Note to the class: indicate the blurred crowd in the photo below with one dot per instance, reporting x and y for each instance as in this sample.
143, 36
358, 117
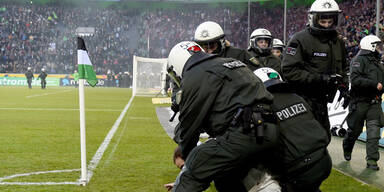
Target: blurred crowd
163, 29
44, 36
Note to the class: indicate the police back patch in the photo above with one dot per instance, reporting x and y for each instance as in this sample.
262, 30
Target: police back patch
234, 64
291, 111
355, 64
291, 51
318, 54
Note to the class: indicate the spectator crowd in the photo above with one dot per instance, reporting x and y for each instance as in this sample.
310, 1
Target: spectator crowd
44, 36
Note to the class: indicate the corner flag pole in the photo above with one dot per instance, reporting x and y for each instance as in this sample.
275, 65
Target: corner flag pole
86, 72
83, 178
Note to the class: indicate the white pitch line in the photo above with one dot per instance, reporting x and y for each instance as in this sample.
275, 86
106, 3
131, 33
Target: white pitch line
38, 183
53, 109
44, 94
100, 151
117, 143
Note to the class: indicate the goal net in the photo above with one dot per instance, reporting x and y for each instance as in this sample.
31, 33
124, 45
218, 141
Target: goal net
149, 75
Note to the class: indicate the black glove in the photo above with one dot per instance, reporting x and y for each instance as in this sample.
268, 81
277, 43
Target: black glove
175, 107
335, 79
344, 93
346, 102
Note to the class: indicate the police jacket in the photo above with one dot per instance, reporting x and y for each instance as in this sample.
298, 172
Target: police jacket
42, 75
366, 72
301, 135
29, 75
266, 60
241, 55
213, 88
309, 56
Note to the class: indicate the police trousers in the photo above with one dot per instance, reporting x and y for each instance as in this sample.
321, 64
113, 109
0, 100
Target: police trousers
372, 114
320, 111
307, 176
225, 160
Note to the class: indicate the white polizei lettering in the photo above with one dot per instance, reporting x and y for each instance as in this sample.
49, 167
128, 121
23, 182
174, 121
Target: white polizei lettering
285, 113
301, 107
291, 111
279, 115
320, 54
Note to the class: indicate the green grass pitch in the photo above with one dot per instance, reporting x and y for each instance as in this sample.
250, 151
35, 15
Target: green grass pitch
39, 131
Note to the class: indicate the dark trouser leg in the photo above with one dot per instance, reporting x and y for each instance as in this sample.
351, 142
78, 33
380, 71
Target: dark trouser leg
231, 181
29, 84
355, 121
186, 182
218, 157
310, 179
320, 112
373, 132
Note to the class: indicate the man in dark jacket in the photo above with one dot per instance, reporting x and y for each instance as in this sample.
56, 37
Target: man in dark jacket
314, 61
222, 97
302, 147
260, 47
29, 76
43, 75
211, 37
367, 79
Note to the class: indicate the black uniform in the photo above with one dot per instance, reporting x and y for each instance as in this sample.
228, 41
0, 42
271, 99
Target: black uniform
228, 52
214, 90
366, 73
302, 150
29, 76
43, 75
241, 55
309, 61
110, 80
266, 59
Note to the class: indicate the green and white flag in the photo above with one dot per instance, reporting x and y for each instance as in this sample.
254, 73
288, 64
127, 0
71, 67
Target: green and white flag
85, 66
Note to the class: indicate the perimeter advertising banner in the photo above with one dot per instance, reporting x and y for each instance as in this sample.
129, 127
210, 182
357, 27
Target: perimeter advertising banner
71, 82
337, 116
22, 81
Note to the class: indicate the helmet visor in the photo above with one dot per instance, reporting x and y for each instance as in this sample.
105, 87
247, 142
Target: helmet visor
326, 20
379, 47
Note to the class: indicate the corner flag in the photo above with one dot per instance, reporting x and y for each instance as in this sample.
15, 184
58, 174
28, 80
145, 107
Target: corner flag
84, 63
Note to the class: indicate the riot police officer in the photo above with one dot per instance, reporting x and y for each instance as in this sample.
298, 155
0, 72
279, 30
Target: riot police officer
315, 60
29, 76
260, 46
222, 97
367, 79
211, 37
302, 152
42, 76
278, 48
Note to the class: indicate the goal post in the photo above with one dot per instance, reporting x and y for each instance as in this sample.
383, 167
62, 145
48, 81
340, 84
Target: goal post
149, 76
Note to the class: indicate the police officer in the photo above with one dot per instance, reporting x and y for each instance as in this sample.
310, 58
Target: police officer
222, 97
29, 76
302, 150
42, 76
367, 79
260, 46
211, 37
315, 60
278, 48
